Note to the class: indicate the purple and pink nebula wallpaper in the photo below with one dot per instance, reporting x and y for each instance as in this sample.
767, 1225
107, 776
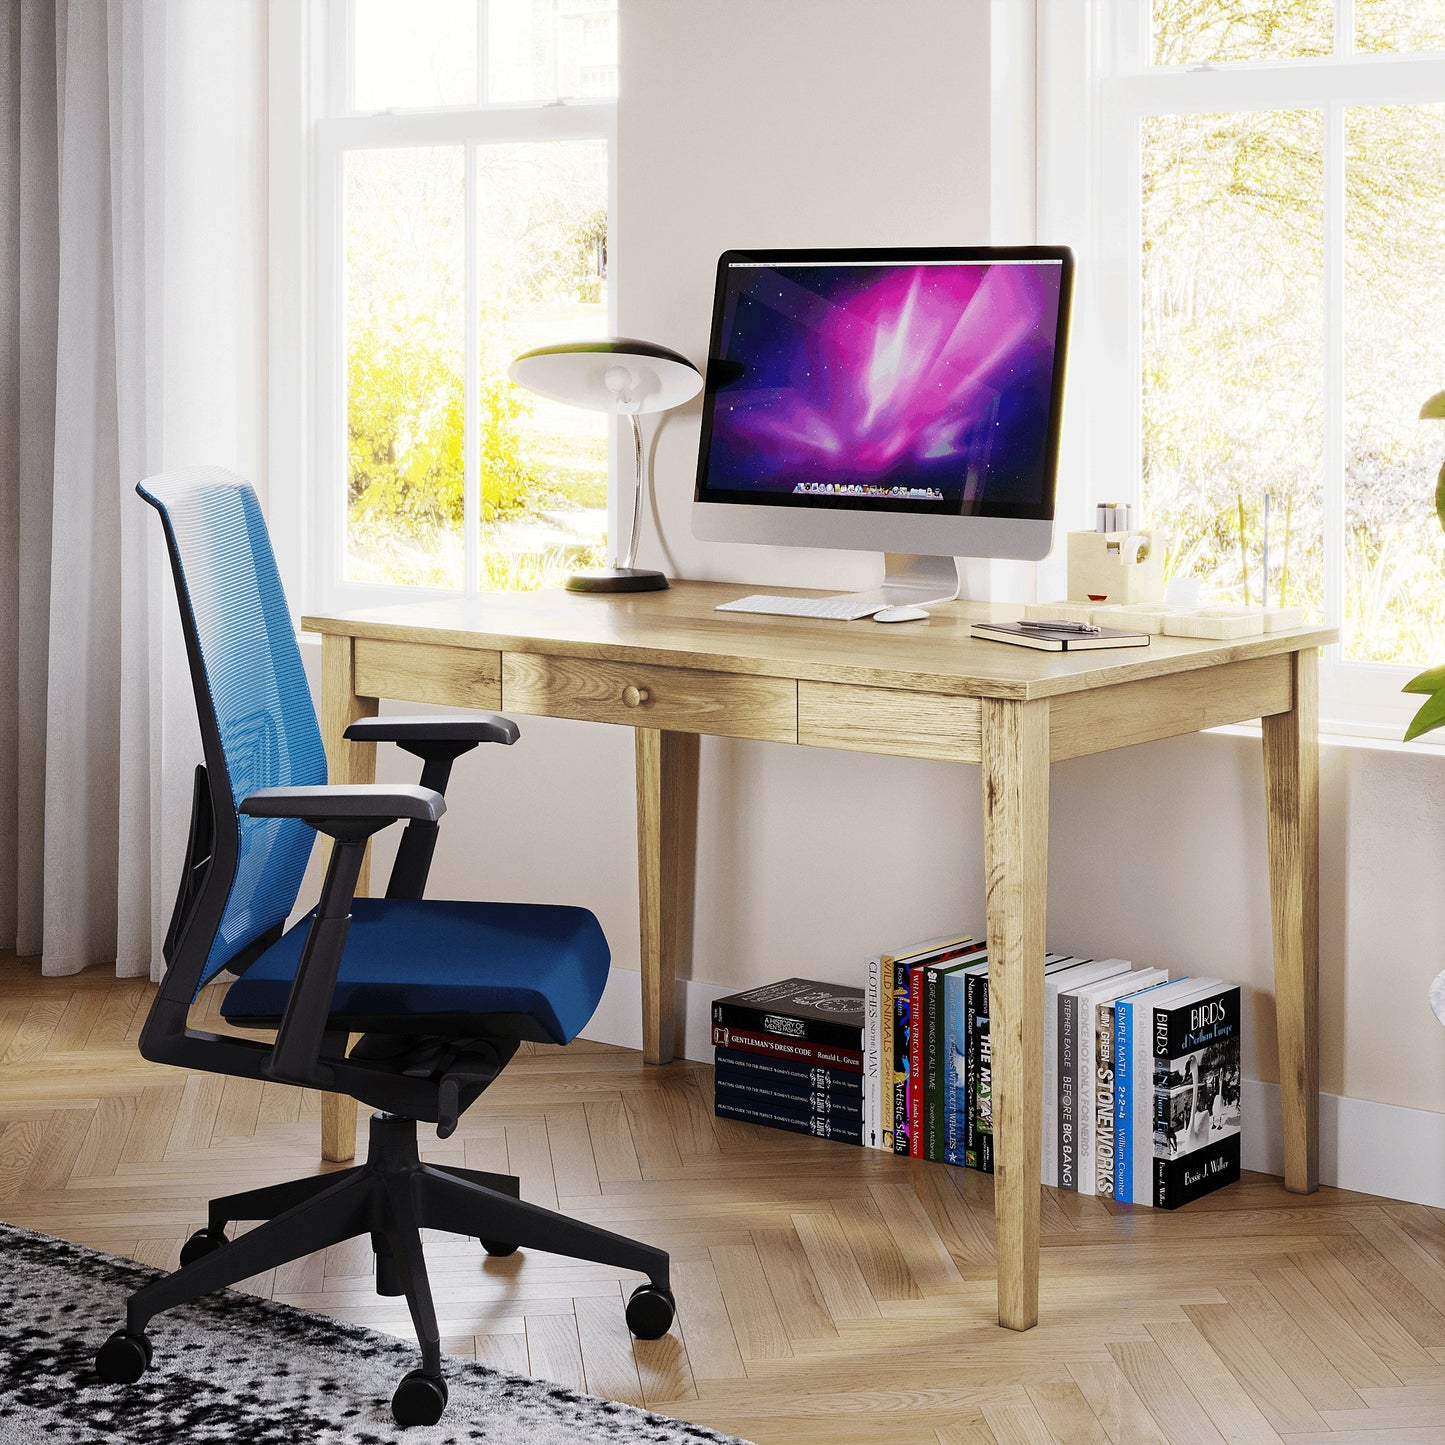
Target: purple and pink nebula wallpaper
927, 383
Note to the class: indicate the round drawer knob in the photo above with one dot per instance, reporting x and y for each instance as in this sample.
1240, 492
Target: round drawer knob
634, 696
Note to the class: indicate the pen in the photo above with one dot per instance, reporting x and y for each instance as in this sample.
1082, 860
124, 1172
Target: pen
1061, 626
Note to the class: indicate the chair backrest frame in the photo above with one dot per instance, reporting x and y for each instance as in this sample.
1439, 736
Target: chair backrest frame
215, 849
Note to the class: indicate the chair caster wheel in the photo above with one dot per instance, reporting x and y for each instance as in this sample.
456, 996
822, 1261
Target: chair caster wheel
419, 1399
202, 1243
123, 1358
497, 1249
649, 1311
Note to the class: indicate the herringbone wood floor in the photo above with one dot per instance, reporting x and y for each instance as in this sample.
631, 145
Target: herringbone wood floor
826, 1294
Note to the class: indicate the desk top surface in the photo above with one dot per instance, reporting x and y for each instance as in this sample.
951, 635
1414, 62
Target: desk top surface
679, 628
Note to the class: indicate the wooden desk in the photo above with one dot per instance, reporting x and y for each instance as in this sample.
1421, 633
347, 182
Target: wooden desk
669, 666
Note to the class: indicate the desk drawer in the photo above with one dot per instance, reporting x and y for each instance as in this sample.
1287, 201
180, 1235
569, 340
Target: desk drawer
425, 672
888, 720
672, 699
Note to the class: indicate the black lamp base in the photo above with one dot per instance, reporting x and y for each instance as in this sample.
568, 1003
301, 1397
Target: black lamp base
616, 579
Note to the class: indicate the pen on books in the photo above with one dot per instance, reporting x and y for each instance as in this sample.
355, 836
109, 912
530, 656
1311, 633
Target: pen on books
1045, 626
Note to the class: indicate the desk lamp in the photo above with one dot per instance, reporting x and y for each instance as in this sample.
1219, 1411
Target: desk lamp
626, 378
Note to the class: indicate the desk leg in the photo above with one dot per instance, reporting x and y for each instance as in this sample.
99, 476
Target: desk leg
1015, 835
1292, 803
346, 762
666, 863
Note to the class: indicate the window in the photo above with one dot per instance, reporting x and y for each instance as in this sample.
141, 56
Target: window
1264, 307
462, 216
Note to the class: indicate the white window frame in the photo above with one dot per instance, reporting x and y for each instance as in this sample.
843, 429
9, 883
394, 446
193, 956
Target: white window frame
1094, 91
334, 130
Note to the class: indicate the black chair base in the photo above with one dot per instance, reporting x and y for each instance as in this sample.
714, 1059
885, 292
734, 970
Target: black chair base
393, 1197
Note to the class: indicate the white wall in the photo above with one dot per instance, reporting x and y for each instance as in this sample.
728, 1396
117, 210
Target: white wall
855, 122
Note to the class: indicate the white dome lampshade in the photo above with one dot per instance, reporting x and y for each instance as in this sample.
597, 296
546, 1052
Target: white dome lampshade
615, 374
624, 377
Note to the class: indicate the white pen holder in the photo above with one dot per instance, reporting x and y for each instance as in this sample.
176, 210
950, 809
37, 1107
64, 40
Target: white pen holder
1121, 568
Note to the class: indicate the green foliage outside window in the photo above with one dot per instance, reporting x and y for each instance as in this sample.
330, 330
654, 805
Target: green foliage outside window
541, 242
1233, 312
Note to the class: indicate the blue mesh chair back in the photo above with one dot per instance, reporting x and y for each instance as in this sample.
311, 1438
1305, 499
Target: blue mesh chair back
251, 681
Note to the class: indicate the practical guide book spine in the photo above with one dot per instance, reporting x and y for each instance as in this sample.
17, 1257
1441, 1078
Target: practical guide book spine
818, 1128
824, 1055
787, 1077
819, 1105
802, 1030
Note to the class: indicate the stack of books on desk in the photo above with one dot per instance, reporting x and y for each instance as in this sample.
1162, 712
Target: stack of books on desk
1141, 1076
790, 1055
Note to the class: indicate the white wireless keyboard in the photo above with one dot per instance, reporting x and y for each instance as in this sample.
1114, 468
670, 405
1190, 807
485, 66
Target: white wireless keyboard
841, 609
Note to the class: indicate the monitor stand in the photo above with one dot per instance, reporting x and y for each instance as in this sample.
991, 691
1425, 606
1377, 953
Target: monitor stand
911, 580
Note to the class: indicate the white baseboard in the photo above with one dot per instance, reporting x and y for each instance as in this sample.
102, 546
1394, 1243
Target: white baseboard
1380, 1149
618, 1019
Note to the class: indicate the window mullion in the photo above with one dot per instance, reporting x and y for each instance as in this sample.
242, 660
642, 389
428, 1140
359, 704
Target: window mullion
1344, 27
343, 40
484, 20
471, 367
1334, 369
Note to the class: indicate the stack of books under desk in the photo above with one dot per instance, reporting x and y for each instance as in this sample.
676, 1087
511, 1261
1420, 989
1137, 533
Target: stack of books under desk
1141, 1087
790, 1055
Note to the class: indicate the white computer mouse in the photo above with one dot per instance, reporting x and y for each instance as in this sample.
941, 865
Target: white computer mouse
900, 614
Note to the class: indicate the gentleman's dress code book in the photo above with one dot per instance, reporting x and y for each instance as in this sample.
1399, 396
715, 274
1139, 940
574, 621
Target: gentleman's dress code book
775, 1047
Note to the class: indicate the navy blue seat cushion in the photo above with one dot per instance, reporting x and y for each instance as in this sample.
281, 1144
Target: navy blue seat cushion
414, 957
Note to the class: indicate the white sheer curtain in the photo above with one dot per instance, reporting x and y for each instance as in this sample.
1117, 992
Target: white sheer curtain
101, 348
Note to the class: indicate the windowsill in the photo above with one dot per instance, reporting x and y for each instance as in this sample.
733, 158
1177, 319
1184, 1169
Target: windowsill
1370, 737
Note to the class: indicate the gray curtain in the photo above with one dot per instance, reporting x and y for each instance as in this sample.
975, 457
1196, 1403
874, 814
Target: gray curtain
81, 641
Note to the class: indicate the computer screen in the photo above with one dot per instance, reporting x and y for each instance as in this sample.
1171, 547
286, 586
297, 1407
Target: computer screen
925, 381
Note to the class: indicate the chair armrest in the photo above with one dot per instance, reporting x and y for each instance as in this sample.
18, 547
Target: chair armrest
475, 728
347, 803
349, 813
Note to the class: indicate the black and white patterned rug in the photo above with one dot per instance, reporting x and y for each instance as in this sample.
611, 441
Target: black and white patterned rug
249, 1372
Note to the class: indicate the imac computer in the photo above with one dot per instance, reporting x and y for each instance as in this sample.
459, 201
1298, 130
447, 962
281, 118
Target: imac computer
902, 401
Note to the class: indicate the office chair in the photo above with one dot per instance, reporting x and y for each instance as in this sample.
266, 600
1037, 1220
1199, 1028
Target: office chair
441, 993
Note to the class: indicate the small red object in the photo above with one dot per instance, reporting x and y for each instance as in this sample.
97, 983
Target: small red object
1098, 597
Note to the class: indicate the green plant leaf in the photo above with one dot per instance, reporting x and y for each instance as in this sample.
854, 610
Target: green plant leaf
1432, 680
1440, 497
1430, 717
1434, 409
